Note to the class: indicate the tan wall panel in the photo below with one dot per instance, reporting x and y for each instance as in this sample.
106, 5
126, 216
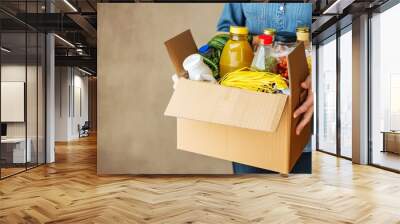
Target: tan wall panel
134, 87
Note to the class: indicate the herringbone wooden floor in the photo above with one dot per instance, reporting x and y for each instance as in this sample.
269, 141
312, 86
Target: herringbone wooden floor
70, 192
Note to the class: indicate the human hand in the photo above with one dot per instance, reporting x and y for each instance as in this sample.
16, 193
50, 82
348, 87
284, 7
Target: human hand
307, 108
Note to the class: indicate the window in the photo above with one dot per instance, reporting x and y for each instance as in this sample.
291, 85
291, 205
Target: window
394, 102
334, 94
385, 89
327, 96
346, 92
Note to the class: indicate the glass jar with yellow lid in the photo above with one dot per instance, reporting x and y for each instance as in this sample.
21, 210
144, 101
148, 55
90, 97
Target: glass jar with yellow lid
303, 36
271, 32
237, 52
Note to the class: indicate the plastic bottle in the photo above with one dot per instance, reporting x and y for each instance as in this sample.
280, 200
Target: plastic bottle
205, 50
263, 59
237, 52
197, 69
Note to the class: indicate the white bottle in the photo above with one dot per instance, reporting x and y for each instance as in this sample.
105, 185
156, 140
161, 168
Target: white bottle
197, 69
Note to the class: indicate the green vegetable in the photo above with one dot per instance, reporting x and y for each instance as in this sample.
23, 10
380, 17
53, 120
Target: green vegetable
250, 39
215, 56
217, 44
223, 35
219, 41
219, 54
213, 66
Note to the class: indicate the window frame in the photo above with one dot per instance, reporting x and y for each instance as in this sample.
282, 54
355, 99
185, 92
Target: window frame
379, 10
341, 29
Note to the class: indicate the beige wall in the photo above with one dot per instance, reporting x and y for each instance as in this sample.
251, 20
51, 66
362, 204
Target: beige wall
134, 86
71, 102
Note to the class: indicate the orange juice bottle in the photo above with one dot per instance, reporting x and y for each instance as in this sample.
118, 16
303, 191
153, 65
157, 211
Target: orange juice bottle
237, 52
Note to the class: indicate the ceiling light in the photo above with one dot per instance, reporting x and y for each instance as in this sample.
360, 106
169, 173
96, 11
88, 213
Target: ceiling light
70, 5
65, 41
338, 6
80, 51
84, 71
5, 50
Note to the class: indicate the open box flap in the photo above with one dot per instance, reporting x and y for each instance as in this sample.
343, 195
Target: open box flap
180, 47
298, 72
213, 103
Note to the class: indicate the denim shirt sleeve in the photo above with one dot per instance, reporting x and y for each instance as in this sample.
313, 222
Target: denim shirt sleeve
232, 14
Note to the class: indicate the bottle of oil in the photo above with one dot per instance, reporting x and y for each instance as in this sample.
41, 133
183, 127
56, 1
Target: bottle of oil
237, 52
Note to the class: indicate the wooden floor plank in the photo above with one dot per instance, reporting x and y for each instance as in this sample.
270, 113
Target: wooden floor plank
69, 191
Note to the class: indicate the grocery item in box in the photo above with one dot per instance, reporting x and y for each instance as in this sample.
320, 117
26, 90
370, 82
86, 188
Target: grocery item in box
303, 36
237, 52
255, 81
264, 59
285, 42
197, 69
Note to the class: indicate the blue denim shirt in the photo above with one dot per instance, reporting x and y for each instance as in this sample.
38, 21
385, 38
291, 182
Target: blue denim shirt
258, 16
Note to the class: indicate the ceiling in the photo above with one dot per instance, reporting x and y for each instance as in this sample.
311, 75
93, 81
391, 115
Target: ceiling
332, 16
75, 23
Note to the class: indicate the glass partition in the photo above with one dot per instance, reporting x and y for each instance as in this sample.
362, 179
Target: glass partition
326, 105
22, 88
32, 98
13, 94
385, 89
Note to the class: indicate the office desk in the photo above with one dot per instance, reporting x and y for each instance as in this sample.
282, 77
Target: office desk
391, 141
13, 150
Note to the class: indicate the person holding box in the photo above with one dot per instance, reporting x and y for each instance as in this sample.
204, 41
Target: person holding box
281, 17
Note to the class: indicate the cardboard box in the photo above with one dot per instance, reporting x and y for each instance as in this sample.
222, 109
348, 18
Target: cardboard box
253, 128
